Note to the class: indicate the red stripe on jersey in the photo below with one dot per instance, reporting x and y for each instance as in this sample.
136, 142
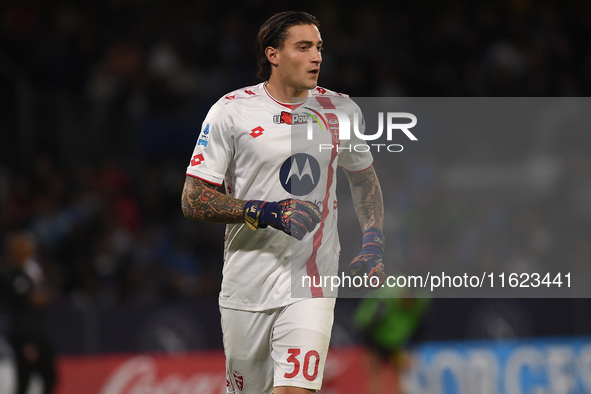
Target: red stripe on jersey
325, 102
311, 265
195, 176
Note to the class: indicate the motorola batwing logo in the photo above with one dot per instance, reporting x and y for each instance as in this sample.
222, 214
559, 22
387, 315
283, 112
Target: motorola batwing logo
299, 174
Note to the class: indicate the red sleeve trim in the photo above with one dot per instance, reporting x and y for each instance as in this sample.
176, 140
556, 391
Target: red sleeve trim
365, 169
205, 180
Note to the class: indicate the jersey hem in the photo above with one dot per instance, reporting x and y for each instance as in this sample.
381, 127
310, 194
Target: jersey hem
259, 307
361, 170
207, 178
301, 384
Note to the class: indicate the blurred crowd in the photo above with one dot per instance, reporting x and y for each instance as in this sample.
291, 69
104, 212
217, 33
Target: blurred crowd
108, 234
115, 93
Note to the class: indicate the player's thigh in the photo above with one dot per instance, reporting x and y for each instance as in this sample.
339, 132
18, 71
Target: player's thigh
246, 337
300, 340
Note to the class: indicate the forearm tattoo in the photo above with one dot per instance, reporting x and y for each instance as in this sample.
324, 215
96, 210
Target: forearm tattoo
367, 198
200, 201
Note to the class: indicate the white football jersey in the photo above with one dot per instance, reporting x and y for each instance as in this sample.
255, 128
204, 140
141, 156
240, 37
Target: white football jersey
262, 149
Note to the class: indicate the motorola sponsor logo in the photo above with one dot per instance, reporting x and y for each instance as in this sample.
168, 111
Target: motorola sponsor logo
299, 174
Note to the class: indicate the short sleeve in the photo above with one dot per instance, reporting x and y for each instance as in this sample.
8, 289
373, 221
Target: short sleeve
214, 148
354, 154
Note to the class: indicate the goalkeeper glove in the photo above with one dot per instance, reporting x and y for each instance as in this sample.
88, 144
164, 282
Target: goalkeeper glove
369, 261
293, 217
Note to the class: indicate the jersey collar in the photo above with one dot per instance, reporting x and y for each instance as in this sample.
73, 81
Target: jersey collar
286, 105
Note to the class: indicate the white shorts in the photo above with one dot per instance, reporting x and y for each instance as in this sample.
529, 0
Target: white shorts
280, 347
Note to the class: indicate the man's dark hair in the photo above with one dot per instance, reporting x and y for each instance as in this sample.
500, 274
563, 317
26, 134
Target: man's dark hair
273, 33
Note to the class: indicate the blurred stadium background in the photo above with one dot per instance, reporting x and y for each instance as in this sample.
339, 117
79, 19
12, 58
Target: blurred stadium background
100, 107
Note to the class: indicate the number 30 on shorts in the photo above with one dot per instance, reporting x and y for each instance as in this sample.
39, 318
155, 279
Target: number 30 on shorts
293, 358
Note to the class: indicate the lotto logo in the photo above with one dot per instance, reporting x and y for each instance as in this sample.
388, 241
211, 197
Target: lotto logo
197, 159
257, 131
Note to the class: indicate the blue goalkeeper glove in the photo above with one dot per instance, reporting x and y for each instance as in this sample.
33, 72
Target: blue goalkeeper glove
369, 261
293, 217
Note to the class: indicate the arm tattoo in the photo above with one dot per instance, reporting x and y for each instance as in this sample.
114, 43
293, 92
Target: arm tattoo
201, 201
367, 198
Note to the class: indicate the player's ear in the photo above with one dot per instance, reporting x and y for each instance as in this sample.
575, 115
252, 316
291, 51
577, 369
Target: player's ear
272, 55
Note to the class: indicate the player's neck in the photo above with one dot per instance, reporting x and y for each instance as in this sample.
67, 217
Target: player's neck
285, 94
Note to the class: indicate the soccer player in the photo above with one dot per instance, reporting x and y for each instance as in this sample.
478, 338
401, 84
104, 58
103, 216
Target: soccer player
23, 289
275, 342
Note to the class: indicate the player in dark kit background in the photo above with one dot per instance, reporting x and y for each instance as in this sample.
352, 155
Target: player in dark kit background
24, 292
